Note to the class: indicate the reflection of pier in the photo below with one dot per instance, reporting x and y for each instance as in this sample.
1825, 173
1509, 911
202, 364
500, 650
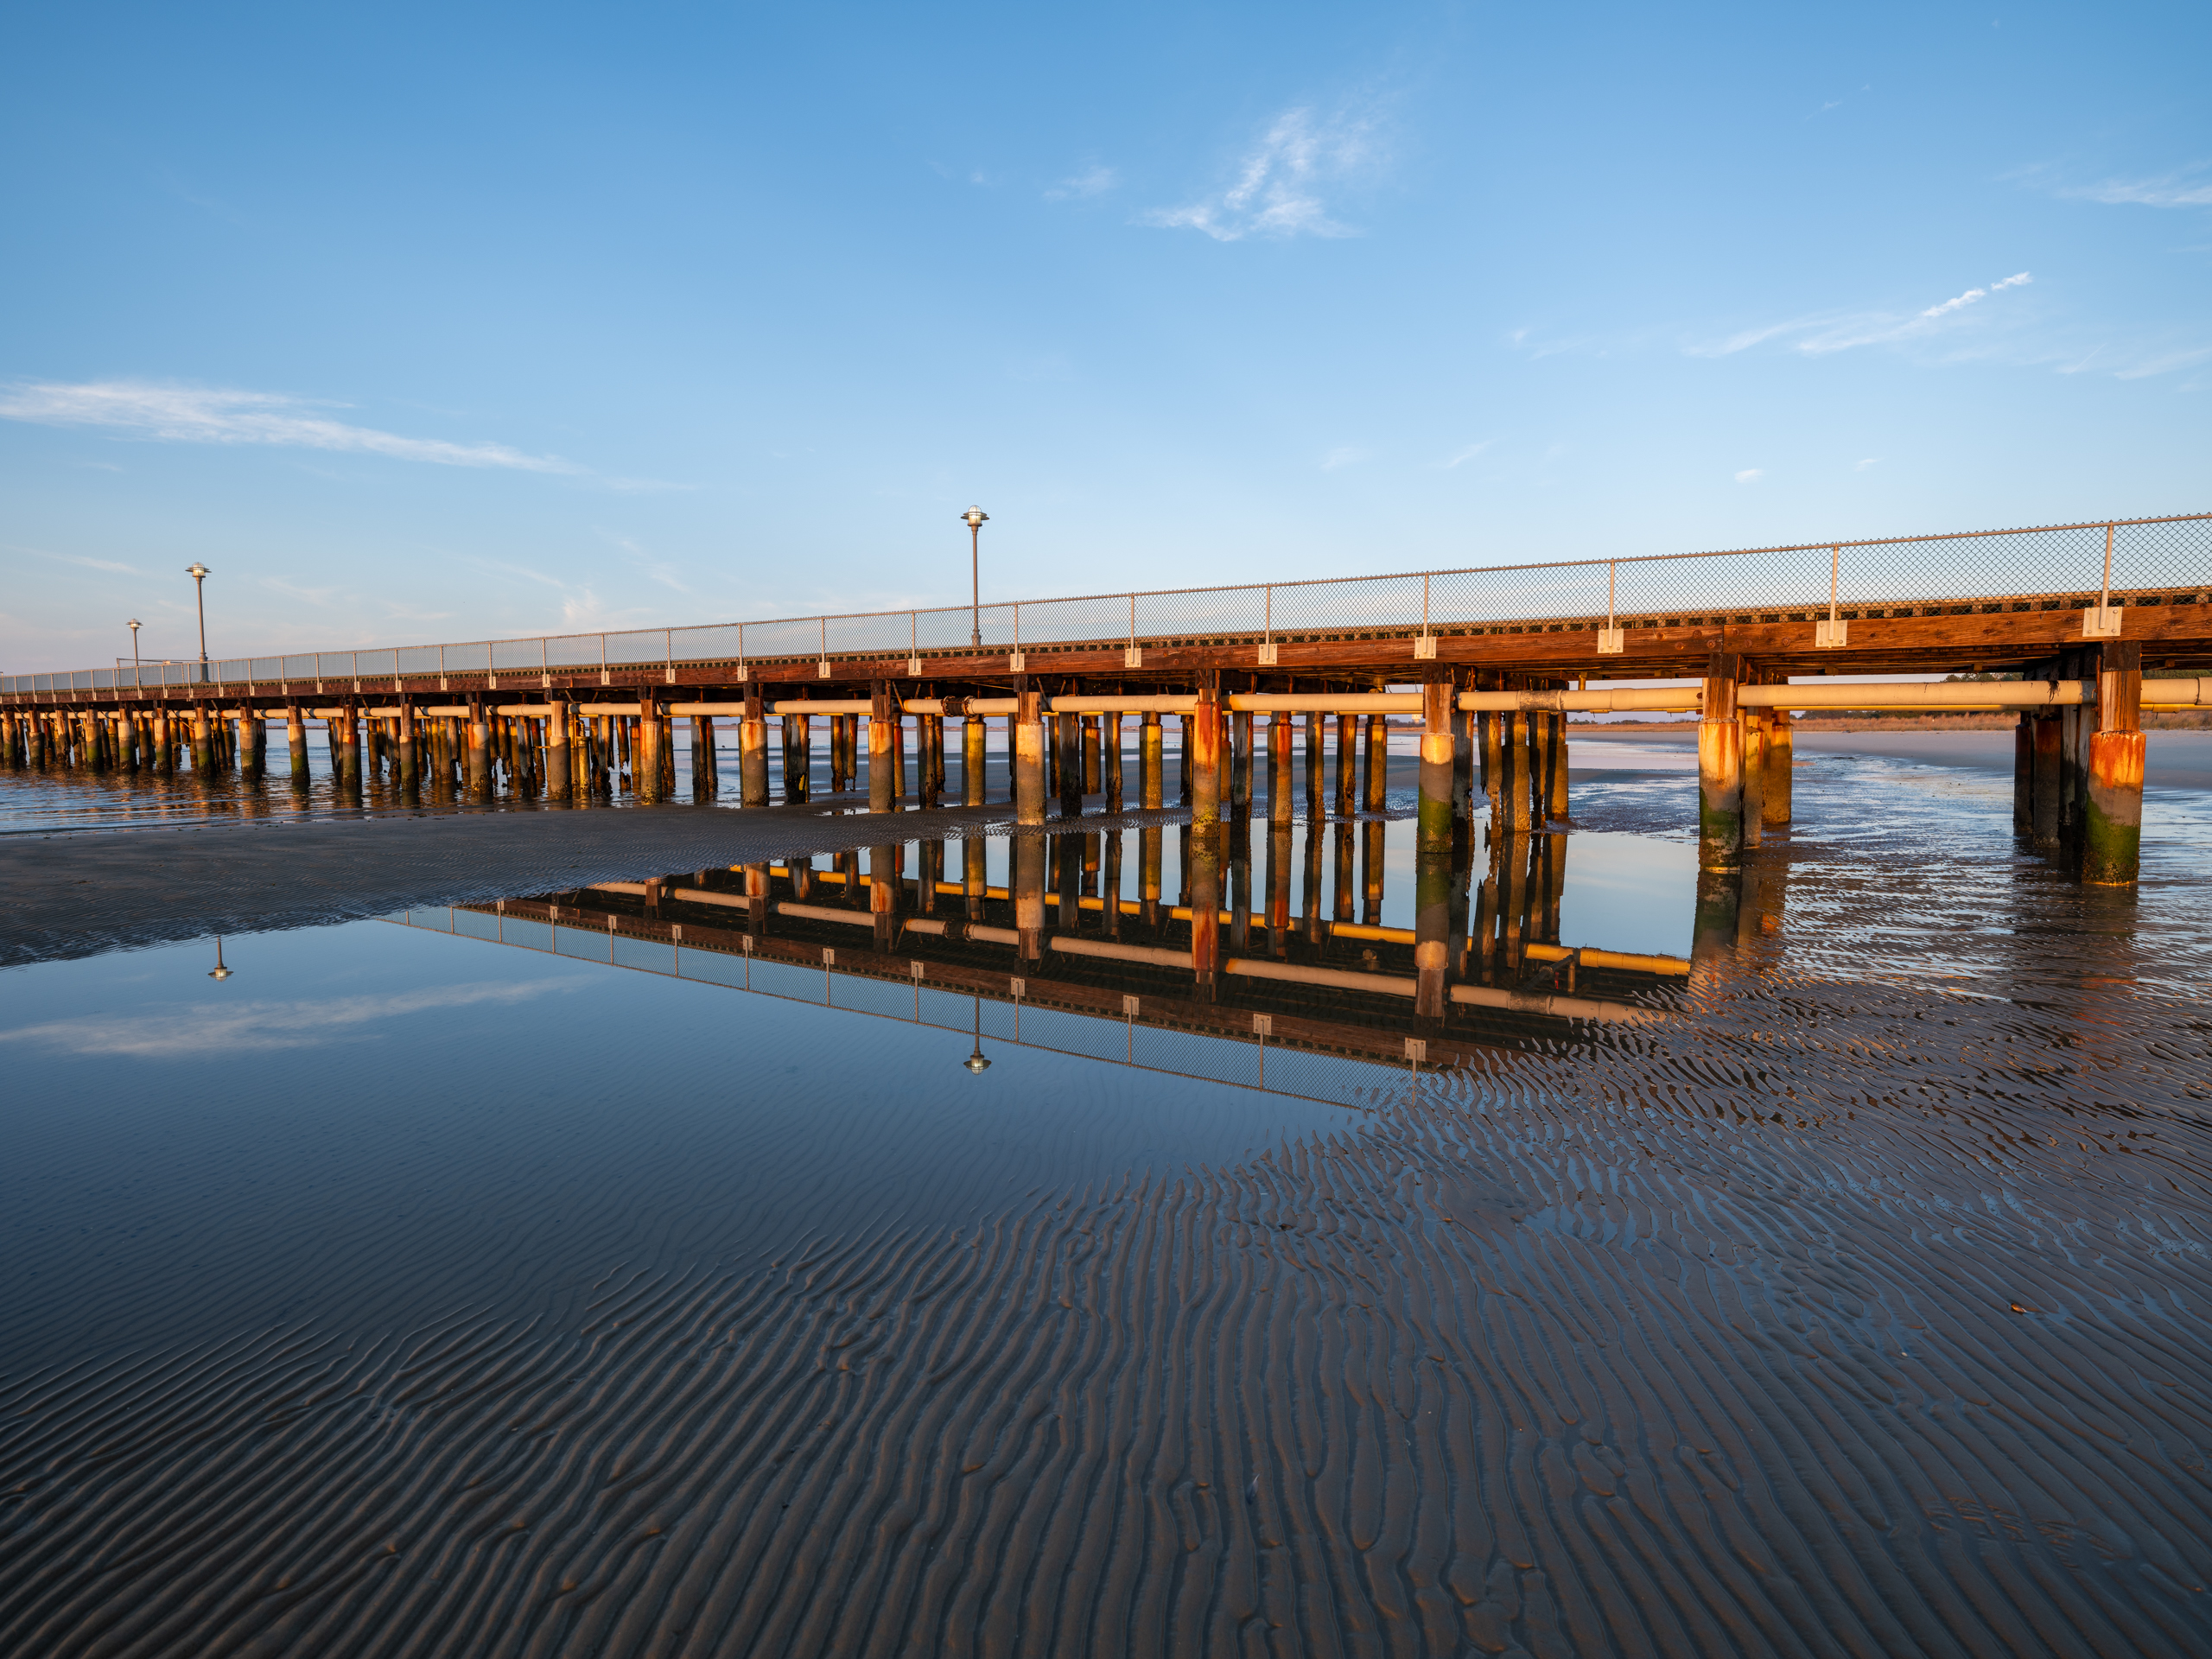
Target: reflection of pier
1070, 933
1499, 655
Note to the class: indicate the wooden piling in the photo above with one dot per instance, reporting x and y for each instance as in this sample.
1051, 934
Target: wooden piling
1347, 764
1094, 761
1070, 759
2112, 818
975, 754
2024, 774
1183, 759
883, 727
1721, 768
1152, 763
1377, 780
1239, 763
2049, 782
1316, 768
1110, 736
1436, 823
480, 752
1202, 737
1028, 747
753, 751
1780, 761
203, 742
929, 733
296, 743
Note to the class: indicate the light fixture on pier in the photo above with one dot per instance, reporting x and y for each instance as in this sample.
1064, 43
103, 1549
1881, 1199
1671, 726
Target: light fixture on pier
199, 573
218, 971
134, 624
977, 1062
976, 519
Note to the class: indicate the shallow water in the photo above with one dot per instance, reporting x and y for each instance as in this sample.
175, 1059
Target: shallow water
483, 1280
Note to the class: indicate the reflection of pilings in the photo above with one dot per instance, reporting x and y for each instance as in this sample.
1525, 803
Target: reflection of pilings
886, 882
1112, 883
1715, 931
1345, 879
932, 874
1205, 903
1550, 889
1316, 925
975, 883
1067, 859
1029, 859
1432, 927
1150, 849
1238, 831
1371, 860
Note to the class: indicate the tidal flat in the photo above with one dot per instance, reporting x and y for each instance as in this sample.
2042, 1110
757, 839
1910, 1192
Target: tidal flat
558, 1276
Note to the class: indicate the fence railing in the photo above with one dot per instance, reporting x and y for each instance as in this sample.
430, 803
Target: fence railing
2115, 559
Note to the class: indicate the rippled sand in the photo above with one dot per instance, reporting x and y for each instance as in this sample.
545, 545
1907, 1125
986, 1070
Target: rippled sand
1863, 1311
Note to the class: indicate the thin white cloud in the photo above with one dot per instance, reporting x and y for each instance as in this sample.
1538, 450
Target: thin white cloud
113, 566
1342, 455
1276, 192
218, 414
213, 1030
1871, 461
1821, 336
2173, 190
1466, 454
1750, 475
1092, 182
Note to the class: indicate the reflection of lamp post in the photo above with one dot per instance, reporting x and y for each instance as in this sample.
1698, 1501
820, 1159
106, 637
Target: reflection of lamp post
134, 624
218, 971
976, 519
975, 1062
199, 573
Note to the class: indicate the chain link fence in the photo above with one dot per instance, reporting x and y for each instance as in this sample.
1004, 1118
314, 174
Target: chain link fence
2122, 562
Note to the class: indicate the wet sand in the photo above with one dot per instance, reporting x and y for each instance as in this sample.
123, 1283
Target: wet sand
1863, 1312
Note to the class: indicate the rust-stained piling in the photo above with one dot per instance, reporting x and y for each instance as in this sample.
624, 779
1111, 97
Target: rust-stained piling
1377, 780
883, 727
974, 738
1781, 759
929, 733
1347, 764
1721, 768
2049, 785
2112, 816
1316, 769
1094, 759
1151, 762
1205, 885
1240, 762
1027, 854
886, 881
753, 751
1202, 737
1027, 743
1070, 762
1281, 802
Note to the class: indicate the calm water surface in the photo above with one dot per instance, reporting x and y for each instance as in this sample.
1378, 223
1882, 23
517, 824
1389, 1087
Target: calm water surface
470, 1283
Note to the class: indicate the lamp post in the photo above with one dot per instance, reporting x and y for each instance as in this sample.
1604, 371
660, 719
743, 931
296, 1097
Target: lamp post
219, 972
198, 573
976, 519
976, 1062
134, 624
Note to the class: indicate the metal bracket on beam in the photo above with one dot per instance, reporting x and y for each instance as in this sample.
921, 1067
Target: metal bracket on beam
1133, 657
1013, 661
1829, 635
2100, 622
1425, 645
1267, 655
1612, 642
822, 669
914, 667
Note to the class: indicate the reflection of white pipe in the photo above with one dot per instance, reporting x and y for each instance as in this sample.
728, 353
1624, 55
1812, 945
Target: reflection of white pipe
1072, 945
1335, 978
824, 914
1564, 1007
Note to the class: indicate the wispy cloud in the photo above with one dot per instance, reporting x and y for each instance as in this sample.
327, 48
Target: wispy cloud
1277, 188
1750, 475
113, 566
1466, 454
2187, 188
1820, 335
1092, 182
1871, 461
1343, 455
218, 414
215, 1030
657, 569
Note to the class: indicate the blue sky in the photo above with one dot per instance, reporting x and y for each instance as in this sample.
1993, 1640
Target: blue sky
432, 323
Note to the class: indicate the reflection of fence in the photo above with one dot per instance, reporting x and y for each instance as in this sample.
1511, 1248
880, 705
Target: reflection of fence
2120, 558
970, 1015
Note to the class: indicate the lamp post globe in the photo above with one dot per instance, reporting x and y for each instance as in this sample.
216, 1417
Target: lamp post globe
976, 519
134, 624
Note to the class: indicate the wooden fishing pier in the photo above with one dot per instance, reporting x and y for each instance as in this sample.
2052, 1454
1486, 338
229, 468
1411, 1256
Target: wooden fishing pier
2097, 621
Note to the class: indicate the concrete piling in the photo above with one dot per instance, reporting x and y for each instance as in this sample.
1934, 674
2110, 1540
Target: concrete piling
1435, 823
752, 751
2112, 816
1347, 764
883, 727
974, 739
1028, 747
295, 743
1281, 804
1721, 768
1152, 763
479, 751
1377, 780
